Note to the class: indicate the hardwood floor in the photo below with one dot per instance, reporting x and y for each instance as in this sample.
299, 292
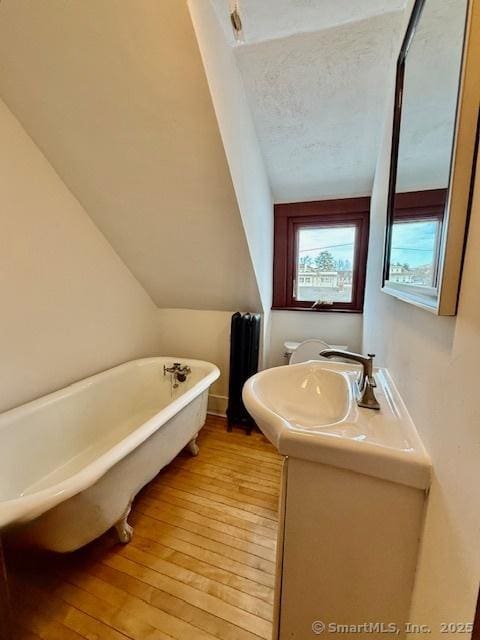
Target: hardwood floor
200, 565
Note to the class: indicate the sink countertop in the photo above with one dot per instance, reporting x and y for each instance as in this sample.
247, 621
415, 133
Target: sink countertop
309, 411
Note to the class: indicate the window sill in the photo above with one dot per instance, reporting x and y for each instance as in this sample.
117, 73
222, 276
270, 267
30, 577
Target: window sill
317, 309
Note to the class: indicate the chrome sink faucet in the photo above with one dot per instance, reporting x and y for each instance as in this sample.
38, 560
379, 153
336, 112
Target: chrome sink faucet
366, 396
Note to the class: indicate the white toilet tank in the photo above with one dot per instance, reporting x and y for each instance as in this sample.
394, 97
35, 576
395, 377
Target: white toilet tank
308, 349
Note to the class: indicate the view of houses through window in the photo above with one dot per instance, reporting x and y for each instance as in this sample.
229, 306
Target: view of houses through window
414, 252
325, 263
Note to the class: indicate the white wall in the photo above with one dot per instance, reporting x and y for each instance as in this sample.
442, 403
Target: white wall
115, 95
334, 328
434, 362
204, 335
69, 306
240, 142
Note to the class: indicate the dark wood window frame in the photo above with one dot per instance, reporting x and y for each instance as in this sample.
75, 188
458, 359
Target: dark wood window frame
289, 218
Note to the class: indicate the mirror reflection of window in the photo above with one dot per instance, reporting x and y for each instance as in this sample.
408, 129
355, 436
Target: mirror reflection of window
427, 128
414, 252
416, 237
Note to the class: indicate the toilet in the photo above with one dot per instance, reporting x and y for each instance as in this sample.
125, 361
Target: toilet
308, 349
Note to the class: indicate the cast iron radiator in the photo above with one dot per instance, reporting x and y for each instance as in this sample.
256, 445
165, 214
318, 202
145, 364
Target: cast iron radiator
244, 348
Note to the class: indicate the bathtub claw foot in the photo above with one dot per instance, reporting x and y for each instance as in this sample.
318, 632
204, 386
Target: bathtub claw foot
124, 532
123, 529
192, 447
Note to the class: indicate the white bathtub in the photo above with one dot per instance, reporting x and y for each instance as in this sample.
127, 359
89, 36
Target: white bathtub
72, 462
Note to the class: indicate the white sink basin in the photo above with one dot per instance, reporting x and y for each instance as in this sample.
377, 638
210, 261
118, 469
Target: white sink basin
309, 411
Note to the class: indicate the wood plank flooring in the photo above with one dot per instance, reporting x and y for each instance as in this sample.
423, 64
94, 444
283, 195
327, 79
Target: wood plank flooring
200, 565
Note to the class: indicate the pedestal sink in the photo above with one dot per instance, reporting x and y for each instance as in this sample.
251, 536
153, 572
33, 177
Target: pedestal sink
354, 490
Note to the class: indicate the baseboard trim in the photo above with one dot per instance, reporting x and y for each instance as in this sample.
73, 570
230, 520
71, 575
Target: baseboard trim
217, 405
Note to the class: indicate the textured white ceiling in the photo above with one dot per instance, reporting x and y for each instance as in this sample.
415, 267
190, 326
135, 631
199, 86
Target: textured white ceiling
316, 73
318, 104
269, 19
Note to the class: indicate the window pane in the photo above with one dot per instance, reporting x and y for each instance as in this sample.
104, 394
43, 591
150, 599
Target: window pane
325, 264
413, 254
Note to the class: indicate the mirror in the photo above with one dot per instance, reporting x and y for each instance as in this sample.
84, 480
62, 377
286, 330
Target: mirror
425, 223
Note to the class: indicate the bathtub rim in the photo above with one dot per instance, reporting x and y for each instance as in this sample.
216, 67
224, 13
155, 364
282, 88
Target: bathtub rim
26, 508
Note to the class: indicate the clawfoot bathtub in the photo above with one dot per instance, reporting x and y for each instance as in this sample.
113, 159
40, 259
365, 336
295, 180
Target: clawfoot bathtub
72, 462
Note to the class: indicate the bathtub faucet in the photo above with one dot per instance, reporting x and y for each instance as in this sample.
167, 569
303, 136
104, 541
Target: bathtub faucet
178, 371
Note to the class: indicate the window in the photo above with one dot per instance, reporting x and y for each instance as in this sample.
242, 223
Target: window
416, 236
320, 255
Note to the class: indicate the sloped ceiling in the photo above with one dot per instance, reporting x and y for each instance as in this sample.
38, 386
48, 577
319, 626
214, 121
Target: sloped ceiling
272, 19
315, 75
115, 95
